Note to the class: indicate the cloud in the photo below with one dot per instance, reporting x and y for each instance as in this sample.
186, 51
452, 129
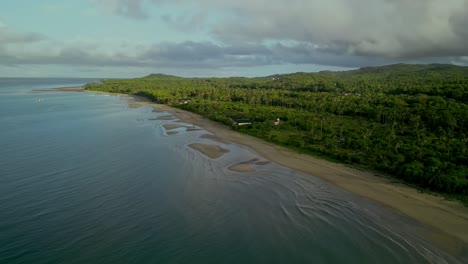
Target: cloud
459, 20
23, 48
389, 29
377, 28
461, 61
9, 36
129, 8
186, 22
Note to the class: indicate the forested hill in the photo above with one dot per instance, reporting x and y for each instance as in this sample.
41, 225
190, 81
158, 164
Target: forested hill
405, 69
410, 121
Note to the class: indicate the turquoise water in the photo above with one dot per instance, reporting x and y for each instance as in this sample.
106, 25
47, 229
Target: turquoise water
84, 178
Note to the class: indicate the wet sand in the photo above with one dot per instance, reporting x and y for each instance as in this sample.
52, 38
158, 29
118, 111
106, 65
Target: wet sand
447, 219
246, 166
214, 138
193, 129
167, 117
211, 151
172, 126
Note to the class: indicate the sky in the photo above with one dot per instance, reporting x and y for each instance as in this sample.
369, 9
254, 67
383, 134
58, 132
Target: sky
203, 38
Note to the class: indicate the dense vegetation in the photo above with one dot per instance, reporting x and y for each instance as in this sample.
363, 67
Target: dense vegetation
410, 121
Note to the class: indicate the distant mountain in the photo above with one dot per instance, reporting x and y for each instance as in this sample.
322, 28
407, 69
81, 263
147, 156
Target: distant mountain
162, 76
412, 68
392, 70
401, 73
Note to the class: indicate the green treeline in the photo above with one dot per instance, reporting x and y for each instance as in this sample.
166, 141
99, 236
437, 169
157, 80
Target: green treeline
410, 121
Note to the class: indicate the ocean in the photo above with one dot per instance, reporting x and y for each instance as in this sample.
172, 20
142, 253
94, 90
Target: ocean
90, 178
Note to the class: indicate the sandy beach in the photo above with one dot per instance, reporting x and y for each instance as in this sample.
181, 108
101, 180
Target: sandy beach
448, 220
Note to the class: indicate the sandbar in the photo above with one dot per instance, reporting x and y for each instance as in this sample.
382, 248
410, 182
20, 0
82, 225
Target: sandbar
172, 126
241, 167
246, 166
211, 151
133, 105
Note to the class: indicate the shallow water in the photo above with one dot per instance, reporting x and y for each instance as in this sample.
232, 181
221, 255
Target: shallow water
85, 178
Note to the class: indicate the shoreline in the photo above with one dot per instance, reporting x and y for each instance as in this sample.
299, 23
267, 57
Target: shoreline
447, 219
62, 89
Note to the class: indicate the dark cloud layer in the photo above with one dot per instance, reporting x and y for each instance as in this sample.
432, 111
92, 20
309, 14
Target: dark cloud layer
189, 54
379, 29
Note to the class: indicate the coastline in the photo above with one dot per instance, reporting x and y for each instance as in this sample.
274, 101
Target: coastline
62, 89
447, 219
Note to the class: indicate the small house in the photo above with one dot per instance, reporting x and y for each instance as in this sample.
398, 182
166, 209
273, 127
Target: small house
242, 122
